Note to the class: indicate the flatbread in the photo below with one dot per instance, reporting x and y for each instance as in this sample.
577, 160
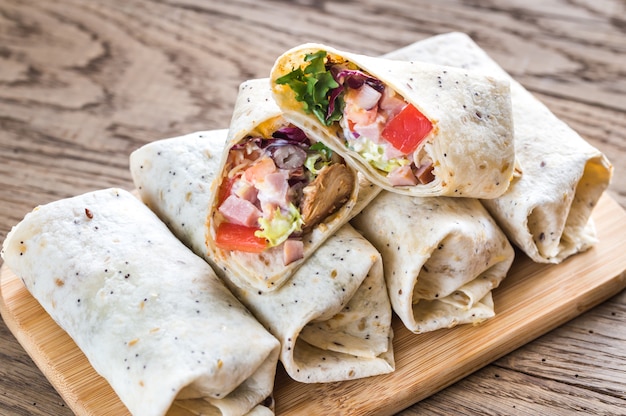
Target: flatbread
151, 317
546, 210
471, 142
256, 114
442, 258
331, 325
333, 317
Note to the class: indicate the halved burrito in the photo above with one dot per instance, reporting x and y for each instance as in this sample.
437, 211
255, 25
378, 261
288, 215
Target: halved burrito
410, 127
150, 316
332, 316
442, 258
546, 211
279, 194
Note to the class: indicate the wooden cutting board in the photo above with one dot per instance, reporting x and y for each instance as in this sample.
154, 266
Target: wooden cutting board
532, 300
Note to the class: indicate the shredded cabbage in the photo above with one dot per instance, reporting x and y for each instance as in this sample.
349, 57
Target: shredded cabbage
374, 154
280, 226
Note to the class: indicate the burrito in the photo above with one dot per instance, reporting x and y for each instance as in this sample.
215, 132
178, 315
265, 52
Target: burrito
279, 193
151, 317
546, 210
332, 316
411, 128
442, 258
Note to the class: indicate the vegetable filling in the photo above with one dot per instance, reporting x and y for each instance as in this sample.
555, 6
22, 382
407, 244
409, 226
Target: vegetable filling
377, 123
277, 189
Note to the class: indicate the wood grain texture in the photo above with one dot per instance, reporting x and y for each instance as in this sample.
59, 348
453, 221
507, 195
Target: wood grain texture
82, 83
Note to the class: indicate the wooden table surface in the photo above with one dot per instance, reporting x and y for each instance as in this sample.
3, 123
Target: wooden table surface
83, 83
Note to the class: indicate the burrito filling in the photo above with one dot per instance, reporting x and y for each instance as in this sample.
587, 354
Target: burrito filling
377, 123
279, 186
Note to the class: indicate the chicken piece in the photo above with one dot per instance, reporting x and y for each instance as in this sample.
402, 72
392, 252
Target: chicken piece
326, 194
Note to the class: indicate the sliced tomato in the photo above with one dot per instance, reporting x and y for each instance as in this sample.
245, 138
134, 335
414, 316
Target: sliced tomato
239, 238
407, 129
225, 189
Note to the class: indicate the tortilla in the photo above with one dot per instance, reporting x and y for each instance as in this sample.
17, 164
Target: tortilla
442, 258
327, 301
150, 316
546, 211
468, 152
333, 318
256, 118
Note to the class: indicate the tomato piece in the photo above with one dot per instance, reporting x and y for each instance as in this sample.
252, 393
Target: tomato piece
239, 238
407, 129
225, 189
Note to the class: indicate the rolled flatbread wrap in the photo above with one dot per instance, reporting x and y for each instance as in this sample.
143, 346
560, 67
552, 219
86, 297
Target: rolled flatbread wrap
279, 194
151, 317
410, 127
332, 316
442, 257
546, 211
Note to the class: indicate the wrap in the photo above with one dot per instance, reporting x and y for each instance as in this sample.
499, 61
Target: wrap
278, 196
546, 211
332, 316
150, 316
412, 128
441, 256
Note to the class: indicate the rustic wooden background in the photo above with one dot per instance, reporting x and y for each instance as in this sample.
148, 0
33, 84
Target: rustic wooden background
85, 82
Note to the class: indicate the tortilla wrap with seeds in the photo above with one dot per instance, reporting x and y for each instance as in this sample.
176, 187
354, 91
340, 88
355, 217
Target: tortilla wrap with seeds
546, 211
274, 182
332, 316
150, 316
442, 257
413, 128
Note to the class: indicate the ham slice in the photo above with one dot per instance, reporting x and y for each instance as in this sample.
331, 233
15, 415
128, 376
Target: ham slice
292, 250
402, 176
240, 211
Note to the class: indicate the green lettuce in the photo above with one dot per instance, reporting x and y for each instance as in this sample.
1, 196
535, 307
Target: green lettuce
375, 154
313, 86
277, 229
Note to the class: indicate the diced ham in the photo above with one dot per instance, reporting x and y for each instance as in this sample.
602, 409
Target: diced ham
240, 211
425, 173
357, 114
273, 189
366, 97
292, 250
391, 103
244, 190
402, 176
371, 131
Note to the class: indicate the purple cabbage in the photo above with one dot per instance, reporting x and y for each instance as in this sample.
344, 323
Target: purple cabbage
292, 134
355, 79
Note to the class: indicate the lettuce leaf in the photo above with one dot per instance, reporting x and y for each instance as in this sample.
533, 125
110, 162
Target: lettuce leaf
314, 86
278, 228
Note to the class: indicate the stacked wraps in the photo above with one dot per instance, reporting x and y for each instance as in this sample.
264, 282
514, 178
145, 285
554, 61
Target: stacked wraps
546, 211
271, 203
332, 316
151, 317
